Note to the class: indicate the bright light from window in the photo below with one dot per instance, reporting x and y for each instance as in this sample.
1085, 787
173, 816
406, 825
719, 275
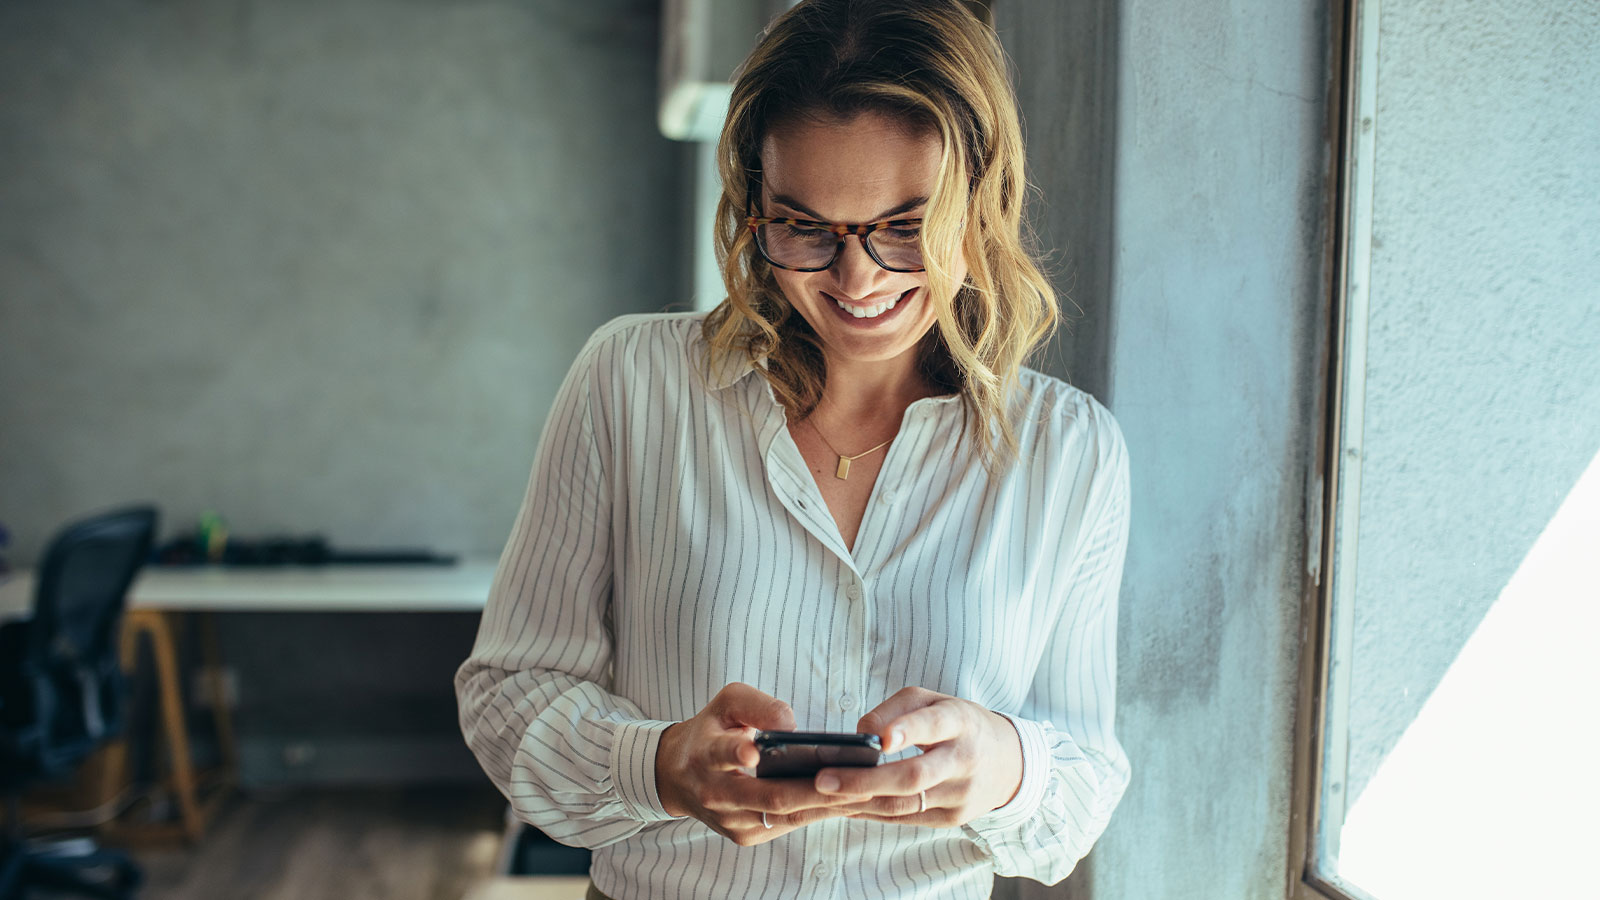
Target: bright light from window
1494, 791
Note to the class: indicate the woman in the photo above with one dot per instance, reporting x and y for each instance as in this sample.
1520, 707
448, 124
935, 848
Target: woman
835, 503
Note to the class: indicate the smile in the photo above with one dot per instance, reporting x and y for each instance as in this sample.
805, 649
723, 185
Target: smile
872, 310
868, 312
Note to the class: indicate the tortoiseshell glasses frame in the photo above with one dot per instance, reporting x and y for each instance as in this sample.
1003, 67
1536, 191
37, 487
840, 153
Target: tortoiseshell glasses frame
841, 231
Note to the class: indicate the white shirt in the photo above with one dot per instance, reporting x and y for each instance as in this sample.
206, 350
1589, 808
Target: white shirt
673, 540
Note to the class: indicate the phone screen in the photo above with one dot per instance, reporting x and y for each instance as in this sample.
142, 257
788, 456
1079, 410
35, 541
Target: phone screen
797, 754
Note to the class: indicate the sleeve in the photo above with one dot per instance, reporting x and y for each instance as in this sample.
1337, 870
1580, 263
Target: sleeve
572, 758
1073, 770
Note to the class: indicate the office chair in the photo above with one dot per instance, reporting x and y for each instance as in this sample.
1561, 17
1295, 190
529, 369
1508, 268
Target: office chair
61, 695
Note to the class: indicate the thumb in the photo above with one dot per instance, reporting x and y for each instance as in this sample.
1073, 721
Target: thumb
740, 705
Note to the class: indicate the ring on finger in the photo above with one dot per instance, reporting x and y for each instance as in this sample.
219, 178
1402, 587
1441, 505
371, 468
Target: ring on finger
764, 823
923, 806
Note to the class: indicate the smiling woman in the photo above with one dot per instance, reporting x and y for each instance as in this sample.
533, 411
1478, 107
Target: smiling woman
836, 503
860, 169
925, 129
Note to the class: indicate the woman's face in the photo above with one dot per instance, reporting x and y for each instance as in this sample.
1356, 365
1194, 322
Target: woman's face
866, 169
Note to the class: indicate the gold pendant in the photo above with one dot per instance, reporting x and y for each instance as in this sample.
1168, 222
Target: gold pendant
843, 471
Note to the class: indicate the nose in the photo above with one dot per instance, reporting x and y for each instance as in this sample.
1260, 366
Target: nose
855, 271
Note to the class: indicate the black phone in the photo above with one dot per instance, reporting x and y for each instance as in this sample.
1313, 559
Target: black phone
795, 754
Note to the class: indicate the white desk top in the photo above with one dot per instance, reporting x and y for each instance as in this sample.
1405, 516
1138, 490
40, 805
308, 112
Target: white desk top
545, 887
358, 588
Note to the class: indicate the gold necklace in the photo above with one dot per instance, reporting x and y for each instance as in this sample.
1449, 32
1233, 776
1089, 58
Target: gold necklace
843, 471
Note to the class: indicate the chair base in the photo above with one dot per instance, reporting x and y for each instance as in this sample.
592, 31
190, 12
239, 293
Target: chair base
76, 866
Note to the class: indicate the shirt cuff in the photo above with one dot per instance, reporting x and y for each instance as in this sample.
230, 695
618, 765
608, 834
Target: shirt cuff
1035, 773
633, 768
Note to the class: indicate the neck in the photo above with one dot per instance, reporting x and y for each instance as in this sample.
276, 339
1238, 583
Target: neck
858, 393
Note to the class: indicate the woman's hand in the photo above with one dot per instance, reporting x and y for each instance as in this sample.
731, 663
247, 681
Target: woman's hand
704, 769
971, 762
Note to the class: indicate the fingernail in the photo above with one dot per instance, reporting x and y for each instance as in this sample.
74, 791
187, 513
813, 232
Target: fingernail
897, 739
828, 783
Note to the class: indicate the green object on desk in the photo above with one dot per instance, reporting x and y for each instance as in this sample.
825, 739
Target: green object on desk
213, 535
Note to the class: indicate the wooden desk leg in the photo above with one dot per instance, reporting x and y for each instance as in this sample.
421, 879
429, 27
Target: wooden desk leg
164, 651
114, 773
193, 813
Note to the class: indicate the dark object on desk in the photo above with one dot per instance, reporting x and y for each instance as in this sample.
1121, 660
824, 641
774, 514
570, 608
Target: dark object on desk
61, 694
190, 550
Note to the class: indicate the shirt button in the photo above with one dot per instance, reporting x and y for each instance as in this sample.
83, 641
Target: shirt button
819, 871
847, 703
853, 591
887, 496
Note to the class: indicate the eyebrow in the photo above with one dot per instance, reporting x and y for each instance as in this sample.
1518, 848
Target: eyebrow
795, 205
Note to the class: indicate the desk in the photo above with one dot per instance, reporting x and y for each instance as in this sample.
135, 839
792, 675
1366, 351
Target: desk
510, 887
458, 588
159, 594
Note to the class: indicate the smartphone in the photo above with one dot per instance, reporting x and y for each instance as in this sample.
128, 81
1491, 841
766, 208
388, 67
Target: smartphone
795, 754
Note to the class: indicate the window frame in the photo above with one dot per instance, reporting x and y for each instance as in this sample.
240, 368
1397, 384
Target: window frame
1352, 32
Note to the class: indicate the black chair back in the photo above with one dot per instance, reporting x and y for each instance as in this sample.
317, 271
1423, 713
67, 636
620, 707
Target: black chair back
68, 667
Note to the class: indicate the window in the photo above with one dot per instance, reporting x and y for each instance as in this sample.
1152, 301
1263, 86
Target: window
1447, 734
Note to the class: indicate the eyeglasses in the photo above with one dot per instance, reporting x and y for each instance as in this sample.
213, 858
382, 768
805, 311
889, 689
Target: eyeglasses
804, 245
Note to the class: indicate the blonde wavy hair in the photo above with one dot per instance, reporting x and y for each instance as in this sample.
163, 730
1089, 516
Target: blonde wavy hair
934, 67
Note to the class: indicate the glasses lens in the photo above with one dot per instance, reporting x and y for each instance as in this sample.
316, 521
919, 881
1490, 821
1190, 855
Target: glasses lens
898, 248
797, 246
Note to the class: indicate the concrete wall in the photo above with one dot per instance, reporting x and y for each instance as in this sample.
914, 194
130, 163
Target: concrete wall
1483, 374
318, 266
1064, 57
1216, 307
1180, 152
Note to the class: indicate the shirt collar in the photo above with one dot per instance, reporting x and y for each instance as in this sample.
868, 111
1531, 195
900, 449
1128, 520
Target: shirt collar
727, 367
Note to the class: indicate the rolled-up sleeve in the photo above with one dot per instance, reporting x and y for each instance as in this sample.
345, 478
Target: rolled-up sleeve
1074, 770
572, 758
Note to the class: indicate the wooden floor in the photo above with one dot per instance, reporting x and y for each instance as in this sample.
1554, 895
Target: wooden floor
347, 844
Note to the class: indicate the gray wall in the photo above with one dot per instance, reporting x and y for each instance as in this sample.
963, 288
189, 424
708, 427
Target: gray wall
1216, 309
314, 265
1064, 61
1483, 371
318, 266
1199, 270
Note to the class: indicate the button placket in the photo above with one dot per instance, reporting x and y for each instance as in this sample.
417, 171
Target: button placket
842, 665
861, 621
846, 680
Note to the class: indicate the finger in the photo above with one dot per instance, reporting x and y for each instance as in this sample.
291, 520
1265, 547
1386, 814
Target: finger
740, 792
752, 830
929, 818
785, 822
784, 796
895, 808
732, 751
943, 720
879, 719
739, 705
902, 778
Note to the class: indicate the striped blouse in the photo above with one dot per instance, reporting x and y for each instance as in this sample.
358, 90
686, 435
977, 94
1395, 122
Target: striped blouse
673, 540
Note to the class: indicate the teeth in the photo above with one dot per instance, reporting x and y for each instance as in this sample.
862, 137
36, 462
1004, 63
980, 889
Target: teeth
868, 312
